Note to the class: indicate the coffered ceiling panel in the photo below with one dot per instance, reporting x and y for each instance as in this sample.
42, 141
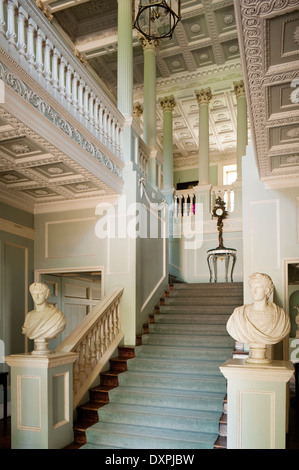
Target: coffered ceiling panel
269, 42
204, 40
34, 172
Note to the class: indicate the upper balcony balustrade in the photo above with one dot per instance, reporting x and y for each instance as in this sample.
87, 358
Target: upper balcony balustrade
44, 81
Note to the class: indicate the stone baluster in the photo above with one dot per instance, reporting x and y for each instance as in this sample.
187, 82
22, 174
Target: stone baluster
2, 19
55, 58
47, 60
40, 37
10, 33
21, 43
68, 84
62, 67
85, 102
80, 97
75, 81
31, 28
91, 108
96, 113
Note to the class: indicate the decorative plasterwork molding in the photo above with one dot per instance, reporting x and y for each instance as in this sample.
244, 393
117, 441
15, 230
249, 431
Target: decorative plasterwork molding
254, 21
39, 104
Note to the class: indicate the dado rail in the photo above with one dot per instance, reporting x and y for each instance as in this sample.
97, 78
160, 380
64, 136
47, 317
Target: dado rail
94, 340
30, 38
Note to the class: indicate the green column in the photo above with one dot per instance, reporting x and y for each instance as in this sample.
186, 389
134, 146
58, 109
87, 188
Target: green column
242, 129
125, 58
149, 105
125, 74
167, 103
203, 98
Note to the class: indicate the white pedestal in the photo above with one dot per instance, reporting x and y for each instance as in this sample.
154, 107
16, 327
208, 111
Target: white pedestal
256, 403
41, 400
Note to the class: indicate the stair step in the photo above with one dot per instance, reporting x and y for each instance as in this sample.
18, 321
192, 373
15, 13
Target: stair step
175, 366
174, 381
164, 418
188, 340
189, 329
197, 309
168, 398
232, 302
183, 353
117, 435
228, 287
191, 318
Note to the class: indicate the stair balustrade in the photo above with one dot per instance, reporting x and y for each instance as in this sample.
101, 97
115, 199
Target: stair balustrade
33, 42
226, 192
94, 340
185, 199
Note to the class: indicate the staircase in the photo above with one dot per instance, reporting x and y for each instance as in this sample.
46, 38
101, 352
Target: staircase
168, 392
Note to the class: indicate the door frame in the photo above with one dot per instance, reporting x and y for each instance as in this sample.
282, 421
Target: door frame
100, 269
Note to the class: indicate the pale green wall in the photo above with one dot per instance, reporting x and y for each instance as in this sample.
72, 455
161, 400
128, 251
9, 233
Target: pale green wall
183, 176
270, 228
16, 274
68, 239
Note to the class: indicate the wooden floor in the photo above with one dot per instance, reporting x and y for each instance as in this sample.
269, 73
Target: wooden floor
292, 437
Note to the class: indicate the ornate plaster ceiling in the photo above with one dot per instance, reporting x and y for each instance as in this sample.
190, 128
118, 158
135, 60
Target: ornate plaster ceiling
269, 43
36, 173
204, 51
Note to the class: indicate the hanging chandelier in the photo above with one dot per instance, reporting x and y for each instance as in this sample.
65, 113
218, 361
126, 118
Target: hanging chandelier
157, 19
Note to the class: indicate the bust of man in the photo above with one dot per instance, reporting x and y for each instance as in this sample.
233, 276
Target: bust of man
45, 321
260, 323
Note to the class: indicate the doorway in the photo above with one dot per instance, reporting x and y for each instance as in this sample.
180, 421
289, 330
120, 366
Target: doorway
75, 292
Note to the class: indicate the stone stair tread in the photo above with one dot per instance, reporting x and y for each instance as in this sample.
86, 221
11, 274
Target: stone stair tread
161, 436
156, 410
165, 391
175, 376
183, 348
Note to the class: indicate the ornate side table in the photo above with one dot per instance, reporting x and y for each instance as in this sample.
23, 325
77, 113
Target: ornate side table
229, 255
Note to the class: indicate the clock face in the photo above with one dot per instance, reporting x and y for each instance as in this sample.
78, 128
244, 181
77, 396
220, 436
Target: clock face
219, 211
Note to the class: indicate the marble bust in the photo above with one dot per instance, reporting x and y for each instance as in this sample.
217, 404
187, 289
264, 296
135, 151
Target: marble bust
260, 323
45, 321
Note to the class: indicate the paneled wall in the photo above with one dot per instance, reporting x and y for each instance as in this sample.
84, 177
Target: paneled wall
270, 230
16, 274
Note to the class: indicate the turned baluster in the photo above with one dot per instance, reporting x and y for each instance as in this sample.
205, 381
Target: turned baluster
80, 97
90, 110
47, 60
76, 376
74, 97
55, 57
2, 19
61, 86
21, 44
40, 37
30, 41
10, 33
68, 84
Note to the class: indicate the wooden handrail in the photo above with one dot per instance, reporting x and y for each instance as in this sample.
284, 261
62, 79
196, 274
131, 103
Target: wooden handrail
94, 340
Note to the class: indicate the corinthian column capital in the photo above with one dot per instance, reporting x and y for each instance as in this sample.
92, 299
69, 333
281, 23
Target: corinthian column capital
167, 103
147, 44
239, 88
203, 96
